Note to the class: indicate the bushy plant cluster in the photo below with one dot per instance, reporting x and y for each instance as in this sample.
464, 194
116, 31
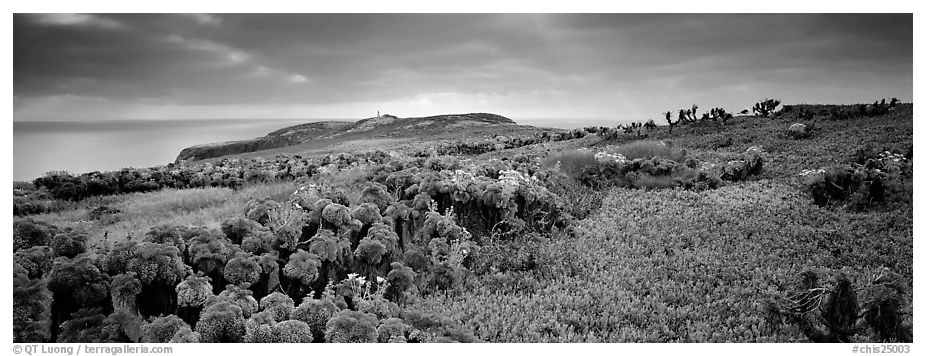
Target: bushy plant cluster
501, 142
842, 310
193, 284
495, 196
749, 164
28, 233
878, 108
414, 229
648, 165
28, 200
231, 173
858, 187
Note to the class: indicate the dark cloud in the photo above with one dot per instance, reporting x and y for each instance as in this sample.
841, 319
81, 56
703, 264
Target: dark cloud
523, 64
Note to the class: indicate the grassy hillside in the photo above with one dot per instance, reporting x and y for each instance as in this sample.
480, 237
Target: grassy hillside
507, 233
342, 135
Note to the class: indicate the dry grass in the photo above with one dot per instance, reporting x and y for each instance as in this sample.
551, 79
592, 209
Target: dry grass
571, 162
139, 212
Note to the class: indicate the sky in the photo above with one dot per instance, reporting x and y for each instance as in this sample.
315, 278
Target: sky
349, 66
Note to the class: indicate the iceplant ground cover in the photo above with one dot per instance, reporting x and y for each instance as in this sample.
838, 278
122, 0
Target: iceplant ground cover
629, 275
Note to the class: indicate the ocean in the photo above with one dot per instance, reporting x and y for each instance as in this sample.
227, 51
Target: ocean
86, 146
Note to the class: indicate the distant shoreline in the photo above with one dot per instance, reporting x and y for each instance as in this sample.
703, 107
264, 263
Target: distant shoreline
91, 145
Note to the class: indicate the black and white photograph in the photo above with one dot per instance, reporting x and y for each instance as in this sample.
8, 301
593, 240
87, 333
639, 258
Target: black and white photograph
471, 177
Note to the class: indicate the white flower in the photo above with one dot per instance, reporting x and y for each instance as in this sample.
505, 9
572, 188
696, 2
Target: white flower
605, 156
352, 275
380, 280
808, 172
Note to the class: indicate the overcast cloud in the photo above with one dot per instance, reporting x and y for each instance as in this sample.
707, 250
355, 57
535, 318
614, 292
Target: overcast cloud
146, 66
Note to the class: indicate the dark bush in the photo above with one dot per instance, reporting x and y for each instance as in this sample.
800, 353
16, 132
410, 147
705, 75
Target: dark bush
31, 313
69, 244
30, 233
236, 229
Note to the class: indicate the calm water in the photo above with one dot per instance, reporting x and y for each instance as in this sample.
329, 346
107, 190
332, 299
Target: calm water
87, 146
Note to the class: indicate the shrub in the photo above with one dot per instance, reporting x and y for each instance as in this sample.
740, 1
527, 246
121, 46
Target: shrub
185, 335
302, 266
750, 164
315, 313
376, 194
392, 330
259, 328
85, 325
326, 246
35, 260
121, 327
351, 326
292, 331
29, 233
269, 276
336, 215
301, 270
278, 305
259, 210
859, 186
193, 291
243, 268
367, 213
31, 313
240, 297
76, 284
416, 260
370, 251
69, 244
160, 269
401, 281
258, 242
125, 290
377, 305
171, 235
221, 322
652, 173
162, 329
209, 251
830, 313
236, 229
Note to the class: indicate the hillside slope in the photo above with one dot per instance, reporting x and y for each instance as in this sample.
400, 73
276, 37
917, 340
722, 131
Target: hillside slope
327, 133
